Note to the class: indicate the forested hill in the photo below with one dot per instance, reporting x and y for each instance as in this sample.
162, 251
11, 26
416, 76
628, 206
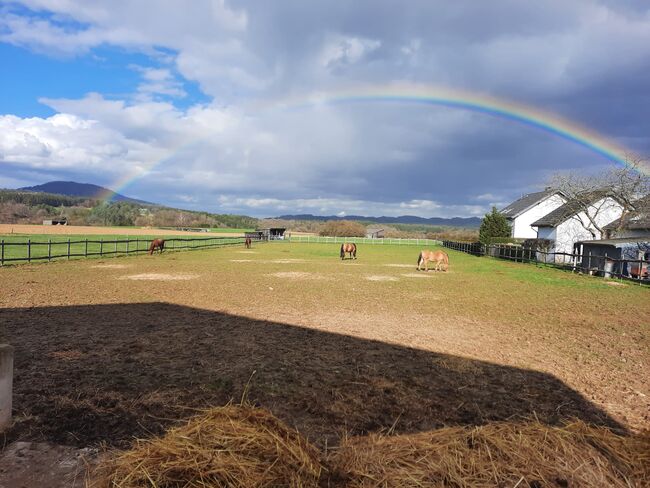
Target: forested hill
74, 189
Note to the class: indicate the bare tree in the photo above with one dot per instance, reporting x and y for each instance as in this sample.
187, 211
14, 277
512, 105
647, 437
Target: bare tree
591, 197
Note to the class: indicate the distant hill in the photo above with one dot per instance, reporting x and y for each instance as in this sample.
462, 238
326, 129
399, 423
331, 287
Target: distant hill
404, 219
74, 189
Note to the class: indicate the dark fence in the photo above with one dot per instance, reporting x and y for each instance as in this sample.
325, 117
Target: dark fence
82, 248
628, 269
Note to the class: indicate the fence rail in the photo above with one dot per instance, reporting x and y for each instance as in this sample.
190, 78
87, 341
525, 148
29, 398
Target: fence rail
365, 240
12, 252
637, 270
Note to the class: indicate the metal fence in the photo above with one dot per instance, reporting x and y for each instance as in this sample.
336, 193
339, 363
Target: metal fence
12, 252
364, 240
627, 269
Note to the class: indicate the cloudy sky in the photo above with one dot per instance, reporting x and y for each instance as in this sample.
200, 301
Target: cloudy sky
227, 106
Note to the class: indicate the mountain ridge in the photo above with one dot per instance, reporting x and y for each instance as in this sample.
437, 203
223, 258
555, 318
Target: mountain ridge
75, 189
403, 219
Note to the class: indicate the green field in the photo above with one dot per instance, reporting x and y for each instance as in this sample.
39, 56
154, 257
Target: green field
16, 248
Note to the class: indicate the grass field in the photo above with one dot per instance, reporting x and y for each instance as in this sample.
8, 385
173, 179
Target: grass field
115, 348
41, 246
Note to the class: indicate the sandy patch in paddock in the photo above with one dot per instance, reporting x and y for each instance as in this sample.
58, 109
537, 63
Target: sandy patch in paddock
381, 278
247, 252
299, 275
615, 283
401, 265
110, 266
286, 261
417, 275
160, 277
241, 260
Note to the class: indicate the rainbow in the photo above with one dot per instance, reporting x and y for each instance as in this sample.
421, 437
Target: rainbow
443, 97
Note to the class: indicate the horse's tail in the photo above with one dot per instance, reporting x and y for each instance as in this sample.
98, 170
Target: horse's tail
446, 261
342, 251
354, 250
162, 245
152, 247
419, 258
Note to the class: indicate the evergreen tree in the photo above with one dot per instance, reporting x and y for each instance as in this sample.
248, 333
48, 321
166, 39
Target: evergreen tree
493, 225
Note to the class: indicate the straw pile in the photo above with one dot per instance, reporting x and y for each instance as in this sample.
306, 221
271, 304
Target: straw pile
500, 454
232, 446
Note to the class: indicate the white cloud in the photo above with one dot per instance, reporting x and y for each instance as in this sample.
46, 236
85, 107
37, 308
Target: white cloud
341, 50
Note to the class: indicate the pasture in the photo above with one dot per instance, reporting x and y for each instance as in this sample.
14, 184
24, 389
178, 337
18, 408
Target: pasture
109, 349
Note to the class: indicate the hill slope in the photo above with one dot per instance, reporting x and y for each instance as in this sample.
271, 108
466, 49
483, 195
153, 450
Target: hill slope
72, 188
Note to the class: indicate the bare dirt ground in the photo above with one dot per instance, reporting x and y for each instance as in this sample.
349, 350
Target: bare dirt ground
101, 359
90, 230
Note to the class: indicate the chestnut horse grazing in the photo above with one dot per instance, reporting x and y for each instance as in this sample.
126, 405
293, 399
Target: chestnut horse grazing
349, 247
157, 244
438, 257
247, 242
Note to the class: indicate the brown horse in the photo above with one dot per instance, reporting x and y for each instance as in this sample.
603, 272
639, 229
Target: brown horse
349, 247
438, 257
248, 242
157, 244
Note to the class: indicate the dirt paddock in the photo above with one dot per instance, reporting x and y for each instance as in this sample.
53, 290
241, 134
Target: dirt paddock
104, 359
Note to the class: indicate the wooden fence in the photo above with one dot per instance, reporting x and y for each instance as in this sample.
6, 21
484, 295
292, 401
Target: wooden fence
11, 252
627, 269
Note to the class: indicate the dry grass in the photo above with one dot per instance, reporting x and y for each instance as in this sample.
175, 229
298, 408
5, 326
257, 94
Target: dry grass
499, 454
236, 446
223, 447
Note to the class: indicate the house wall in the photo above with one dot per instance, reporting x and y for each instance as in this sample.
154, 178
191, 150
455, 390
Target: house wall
521, 228
571, 231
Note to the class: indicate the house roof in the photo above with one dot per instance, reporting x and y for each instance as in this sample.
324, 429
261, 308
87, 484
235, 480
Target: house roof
637, 220
616, 242
570, 208
518, 207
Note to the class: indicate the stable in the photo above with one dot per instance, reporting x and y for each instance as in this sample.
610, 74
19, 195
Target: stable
271, 233
375, 233
58, 221
622, 257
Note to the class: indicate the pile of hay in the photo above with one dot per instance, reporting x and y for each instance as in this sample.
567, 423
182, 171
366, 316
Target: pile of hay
241, 446
232, 446
500, 454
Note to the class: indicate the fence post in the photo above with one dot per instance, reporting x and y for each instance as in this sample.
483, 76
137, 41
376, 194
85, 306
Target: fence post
86, 249
2, 253
29, 250
101, 247
49, 250
127, 245
115, 253
68, 248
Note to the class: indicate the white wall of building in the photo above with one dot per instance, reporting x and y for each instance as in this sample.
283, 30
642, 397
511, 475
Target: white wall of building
572, 230
521, 228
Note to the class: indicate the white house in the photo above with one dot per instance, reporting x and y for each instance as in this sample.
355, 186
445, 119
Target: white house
523, 212
572, 222
635, 224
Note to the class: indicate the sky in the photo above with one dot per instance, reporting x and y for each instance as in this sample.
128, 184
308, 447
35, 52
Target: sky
235, 106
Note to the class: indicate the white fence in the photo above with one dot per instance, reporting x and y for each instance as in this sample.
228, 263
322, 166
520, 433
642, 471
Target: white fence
365, 240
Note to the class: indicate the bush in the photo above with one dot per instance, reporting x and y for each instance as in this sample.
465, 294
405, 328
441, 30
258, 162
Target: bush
343, 228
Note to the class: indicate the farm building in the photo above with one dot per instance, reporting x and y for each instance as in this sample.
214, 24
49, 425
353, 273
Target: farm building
614, 256
375, 233
635, 224
56, 221
523, 212
571, 223
272, 233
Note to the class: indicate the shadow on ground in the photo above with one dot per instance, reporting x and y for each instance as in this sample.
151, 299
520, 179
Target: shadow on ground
85, 374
